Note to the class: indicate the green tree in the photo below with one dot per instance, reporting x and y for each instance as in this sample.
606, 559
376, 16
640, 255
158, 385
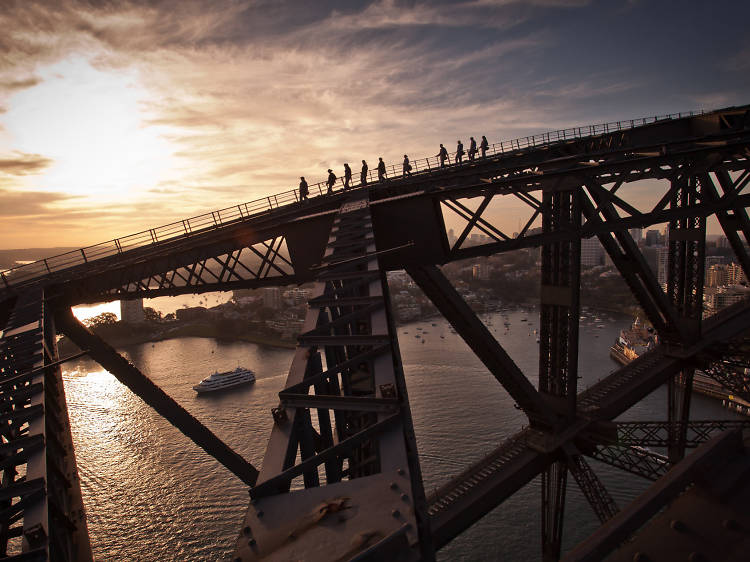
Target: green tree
151, 315
103, 319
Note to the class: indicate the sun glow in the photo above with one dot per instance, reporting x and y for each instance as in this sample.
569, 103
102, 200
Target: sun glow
92, 124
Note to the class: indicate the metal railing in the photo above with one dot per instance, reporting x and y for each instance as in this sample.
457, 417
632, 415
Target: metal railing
188, 227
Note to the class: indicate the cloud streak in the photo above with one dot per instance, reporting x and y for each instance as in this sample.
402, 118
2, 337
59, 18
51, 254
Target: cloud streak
248, 95
19, 164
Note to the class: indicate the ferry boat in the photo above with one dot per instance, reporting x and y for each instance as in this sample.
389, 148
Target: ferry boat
227, 379
638, 339
632, 342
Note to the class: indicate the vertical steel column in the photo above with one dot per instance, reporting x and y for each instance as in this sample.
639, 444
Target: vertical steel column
685, 277
558, 350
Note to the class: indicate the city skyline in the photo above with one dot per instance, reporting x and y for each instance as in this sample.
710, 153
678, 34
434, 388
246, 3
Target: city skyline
118, 117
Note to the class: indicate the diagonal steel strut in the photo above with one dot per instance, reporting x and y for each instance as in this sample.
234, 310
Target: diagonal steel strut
450, 304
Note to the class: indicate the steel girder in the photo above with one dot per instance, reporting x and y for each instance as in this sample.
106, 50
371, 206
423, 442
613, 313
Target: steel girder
354, 436
558, 349
41, 510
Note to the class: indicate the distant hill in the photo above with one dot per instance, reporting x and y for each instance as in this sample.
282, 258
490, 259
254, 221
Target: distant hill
8, 258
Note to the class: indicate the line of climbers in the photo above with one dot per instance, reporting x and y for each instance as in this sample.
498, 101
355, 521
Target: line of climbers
406, 167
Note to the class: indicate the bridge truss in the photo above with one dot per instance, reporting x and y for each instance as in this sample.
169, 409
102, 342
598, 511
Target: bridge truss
341, 477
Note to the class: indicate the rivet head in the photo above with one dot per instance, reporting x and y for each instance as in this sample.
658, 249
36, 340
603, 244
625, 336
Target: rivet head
260, 513
400, 471
246, 530
394, 486
404, 497
251, 542
396, 513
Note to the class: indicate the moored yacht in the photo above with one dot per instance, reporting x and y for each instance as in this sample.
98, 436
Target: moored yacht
227, 379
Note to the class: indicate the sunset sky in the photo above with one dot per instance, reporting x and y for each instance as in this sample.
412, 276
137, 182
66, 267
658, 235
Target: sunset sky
120, 116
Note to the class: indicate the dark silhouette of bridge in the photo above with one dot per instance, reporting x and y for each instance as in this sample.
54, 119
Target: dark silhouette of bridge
341, 475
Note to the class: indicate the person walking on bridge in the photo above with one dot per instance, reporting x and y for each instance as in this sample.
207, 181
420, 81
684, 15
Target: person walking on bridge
459, 152
443, 155
347, 175
303, 189
484, 145
381, 170
472, 149
363, 174
331, 181
407, 166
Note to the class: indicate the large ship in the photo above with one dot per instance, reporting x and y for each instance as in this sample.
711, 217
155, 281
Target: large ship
227, 379
638, 339
633, 342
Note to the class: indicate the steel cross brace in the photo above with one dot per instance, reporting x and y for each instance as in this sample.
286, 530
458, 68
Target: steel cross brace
630, 262
593, 489
735, 218
655, 433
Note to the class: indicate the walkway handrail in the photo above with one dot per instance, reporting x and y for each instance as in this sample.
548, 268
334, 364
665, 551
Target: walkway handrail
215, 219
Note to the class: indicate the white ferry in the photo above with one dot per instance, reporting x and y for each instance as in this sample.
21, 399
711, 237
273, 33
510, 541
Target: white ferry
227, 379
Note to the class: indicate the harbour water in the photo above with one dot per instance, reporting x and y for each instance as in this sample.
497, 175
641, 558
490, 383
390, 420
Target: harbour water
151, 494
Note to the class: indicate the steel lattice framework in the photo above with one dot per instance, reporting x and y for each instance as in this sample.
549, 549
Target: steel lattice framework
341, 477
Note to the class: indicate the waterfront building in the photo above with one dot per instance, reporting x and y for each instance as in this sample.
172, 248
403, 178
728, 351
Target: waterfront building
637, 234
271, 297
716, 298
592, 252
480, 271
653, 237
662, 264
719, 275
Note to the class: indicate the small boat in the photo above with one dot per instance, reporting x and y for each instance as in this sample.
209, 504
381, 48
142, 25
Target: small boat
227, 379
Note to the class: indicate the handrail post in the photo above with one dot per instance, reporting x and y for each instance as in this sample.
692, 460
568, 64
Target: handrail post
84, 256
5, 280
154, 240
46, 265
